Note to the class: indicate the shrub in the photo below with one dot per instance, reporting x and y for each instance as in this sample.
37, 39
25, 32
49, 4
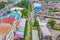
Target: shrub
56, 28
52, 22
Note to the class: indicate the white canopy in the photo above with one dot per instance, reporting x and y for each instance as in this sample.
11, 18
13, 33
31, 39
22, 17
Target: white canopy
16, 8
22, 24
35, 35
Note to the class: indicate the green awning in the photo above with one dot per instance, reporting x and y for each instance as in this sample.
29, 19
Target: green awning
16, 14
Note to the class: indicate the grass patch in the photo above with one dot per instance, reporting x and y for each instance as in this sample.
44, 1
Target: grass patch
56, 28
30, 31
25, 32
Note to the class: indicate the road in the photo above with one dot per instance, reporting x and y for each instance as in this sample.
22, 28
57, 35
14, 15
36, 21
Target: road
5, 9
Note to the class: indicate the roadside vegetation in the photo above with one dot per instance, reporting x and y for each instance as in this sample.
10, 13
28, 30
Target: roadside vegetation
25, 13
27, 5
3, 4
33, 26
25, 32
30, 30
53, 10
53, 24
36, 24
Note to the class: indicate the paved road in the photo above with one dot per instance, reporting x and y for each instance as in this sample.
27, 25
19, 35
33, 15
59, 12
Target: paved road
54, 33
5, 9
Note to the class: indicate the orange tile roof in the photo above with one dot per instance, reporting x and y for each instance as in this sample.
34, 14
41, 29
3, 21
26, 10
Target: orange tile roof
5, 28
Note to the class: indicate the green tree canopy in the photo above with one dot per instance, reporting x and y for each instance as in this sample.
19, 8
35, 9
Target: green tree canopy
52, 22
24, 12
2, 4
36, 23
24, 3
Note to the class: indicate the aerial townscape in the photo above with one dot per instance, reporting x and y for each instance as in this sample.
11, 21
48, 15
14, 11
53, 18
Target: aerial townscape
29, 19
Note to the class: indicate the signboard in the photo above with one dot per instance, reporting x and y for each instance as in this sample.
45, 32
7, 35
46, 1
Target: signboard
19, 34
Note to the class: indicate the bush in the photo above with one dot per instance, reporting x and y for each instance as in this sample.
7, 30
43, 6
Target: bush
24, 3
36, 23
52, 22
56, 28
25, 12
53, 10
2, 4
30, 31
25, 32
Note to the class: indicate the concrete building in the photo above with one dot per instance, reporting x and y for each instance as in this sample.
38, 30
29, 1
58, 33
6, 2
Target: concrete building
20, 29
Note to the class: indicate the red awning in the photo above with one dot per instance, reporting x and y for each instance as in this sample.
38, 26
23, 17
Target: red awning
17, 24
8, 20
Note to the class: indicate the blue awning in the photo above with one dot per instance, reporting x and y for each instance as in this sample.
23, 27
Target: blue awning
38, 8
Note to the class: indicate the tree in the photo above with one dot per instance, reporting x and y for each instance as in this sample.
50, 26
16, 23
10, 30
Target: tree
24, 3
36, 23
25, 12
52, 22
2, 4
46, 1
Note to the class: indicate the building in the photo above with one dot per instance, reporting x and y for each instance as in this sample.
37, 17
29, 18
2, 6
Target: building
20, 29
6, 31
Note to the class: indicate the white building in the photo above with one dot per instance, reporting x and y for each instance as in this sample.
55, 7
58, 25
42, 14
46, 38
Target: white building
22, 24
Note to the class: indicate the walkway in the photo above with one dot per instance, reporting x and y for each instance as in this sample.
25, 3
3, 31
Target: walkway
54, 33
28, 31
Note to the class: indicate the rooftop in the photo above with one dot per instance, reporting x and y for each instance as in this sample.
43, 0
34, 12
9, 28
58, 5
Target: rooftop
4, 28
8, 20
